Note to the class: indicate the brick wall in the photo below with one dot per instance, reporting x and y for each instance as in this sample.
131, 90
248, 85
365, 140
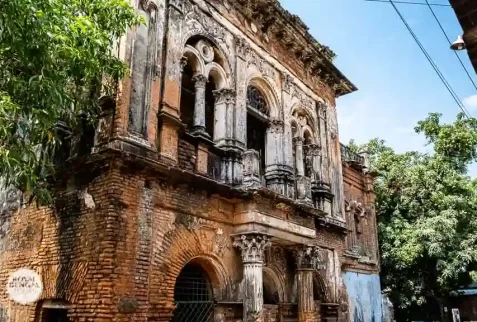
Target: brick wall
358, 186
114, 245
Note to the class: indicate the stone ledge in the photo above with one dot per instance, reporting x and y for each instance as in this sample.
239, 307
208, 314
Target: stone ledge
262, 222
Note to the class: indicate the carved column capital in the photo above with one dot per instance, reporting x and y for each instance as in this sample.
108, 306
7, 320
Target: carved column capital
313, 149
276, 126
183, 63
224, 95
309, 257
298, 140
252, 247
199, 81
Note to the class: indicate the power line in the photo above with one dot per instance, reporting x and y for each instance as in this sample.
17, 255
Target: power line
418, 3
450, 43
433, 64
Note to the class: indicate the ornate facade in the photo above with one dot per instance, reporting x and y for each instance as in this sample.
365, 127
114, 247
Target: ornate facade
214, 187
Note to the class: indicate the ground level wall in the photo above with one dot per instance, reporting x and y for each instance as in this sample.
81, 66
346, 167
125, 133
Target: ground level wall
364, 297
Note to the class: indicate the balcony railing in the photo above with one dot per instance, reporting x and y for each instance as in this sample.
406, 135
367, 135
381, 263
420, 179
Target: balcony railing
349, 156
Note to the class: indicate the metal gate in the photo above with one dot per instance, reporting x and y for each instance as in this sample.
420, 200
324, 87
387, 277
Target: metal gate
193, 296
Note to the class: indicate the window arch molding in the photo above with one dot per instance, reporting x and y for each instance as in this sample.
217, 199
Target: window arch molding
266, 90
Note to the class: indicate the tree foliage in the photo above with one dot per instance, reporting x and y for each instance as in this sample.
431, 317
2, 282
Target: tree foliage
427, 212
55, 58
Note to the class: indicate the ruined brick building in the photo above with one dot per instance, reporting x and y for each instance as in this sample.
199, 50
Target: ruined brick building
214, 187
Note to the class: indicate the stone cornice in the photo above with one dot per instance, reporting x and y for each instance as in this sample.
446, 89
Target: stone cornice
288, 29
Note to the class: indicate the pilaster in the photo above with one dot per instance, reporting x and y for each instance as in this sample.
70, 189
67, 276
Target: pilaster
240, 120
308, 260
171, 76
224, 117
278, 174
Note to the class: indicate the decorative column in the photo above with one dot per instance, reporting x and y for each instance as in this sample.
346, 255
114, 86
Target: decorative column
313, 153
308, 260
199, 107
242, 50
324, 171
252, 247
298, 142
277, 172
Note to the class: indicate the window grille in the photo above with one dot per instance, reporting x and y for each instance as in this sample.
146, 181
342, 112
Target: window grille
193, 296
256, 100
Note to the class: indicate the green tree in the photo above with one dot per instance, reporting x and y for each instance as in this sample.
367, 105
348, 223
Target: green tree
427, 213
56, 57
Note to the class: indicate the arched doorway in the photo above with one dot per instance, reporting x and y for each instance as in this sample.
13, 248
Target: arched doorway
193, 295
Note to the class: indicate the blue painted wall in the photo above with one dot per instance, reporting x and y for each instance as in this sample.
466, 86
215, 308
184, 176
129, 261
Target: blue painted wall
364, 295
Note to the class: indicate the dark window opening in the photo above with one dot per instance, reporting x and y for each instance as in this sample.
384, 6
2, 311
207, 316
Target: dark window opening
55, 315
210, 107
317, 291
256, 134
187, 97
257, 119
270, 295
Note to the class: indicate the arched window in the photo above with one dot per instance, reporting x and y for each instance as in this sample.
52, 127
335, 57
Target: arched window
256, 101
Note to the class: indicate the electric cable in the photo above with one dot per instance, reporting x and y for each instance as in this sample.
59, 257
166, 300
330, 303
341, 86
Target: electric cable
418, 3
450, 43
433, 64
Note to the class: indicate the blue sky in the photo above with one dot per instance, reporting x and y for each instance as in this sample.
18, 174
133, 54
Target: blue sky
396, 84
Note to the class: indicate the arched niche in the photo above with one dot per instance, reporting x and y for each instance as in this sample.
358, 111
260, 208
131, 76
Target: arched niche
319, 289
273, 287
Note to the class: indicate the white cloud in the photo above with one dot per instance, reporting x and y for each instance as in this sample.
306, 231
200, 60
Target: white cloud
365, 118
471, 102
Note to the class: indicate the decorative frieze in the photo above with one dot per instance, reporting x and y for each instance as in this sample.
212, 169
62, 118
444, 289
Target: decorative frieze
276, 126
